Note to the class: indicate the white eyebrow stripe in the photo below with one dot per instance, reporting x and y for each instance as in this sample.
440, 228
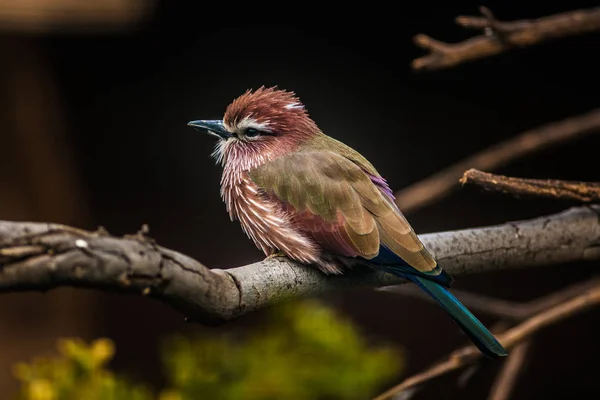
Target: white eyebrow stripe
248, 122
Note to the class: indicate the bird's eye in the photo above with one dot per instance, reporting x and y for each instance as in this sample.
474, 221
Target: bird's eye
251, 132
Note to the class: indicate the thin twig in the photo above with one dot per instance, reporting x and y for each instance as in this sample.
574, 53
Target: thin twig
508, 310
442, 183
508, 376
557, 189
500, 36
469, 354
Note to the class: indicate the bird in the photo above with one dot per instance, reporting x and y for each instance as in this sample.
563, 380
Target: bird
302, 194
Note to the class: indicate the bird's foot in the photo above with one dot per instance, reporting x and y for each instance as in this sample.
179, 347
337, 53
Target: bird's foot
274, 255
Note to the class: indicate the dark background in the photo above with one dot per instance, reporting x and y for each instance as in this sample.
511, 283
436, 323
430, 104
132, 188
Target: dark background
95, 134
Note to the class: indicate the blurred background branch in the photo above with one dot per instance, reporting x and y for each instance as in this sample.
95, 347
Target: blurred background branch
100, 16
510, 372
440, 184
509, 311
468, 355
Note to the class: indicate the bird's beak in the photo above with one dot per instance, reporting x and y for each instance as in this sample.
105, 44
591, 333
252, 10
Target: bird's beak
213, 127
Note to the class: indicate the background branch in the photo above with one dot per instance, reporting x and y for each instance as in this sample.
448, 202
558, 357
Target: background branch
508, 310
37, 256
506, 380
469, 354
442, 183
556, 189
99, 16
500, 36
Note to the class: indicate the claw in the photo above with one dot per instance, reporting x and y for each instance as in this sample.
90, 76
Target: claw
274, 255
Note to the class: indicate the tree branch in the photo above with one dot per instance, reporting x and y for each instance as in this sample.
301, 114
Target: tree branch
509, 374
442, 183
508, 311
469, 354
38, 256
500, 36
565, 190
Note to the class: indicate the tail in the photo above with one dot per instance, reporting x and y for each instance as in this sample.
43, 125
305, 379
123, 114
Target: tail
435, 283
479, 334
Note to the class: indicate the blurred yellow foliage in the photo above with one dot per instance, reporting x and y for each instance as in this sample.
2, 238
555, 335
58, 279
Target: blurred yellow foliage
303, 351
79, 372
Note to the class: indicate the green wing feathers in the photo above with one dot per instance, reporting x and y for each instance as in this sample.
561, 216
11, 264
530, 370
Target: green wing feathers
354, 217
310, 186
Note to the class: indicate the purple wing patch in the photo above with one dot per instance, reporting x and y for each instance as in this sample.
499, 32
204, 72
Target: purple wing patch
383, 186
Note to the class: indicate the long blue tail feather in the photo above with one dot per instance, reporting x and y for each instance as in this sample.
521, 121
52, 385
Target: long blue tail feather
473, 328
435, 284
477, 332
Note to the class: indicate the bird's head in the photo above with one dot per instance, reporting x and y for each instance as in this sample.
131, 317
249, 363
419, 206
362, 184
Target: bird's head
259, 126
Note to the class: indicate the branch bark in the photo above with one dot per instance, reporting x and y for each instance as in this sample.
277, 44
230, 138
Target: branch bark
557, 189
442, 183
469, 354
500, 36
39, 256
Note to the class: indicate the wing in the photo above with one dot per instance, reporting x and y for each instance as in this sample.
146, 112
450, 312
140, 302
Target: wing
333, 200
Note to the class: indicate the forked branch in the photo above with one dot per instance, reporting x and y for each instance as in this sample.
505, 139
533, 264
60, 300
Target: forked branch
509, 312
469, 354
500, 36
